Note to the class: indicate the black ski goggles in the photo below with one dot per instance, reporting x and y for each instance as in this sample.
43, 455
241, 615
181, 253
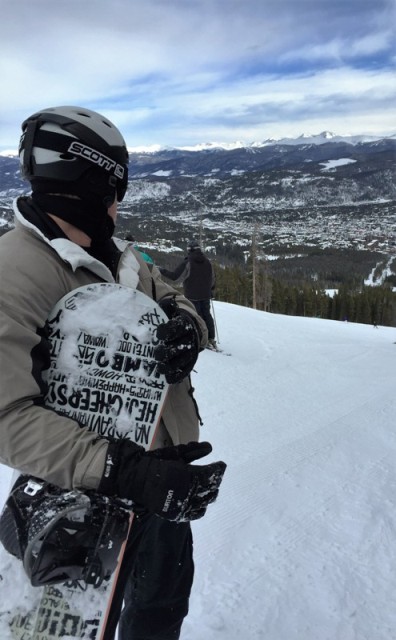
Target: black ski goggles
122, 185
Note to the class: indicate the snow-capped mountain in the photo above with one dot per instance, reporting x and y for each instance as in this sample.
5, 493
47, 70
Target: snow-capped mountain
322, 138
305, 138
245, 181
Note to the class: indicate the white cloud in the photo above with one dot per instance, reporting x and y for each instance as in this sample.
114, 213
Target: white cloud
181, 71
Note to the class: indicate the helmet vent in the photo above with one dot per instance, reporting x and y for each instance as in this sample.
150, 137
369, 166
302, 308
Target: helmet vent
67, 156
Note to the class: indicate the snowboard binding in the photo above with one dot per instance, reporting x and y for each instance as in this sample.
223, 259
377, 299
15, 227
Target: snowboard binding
63, 536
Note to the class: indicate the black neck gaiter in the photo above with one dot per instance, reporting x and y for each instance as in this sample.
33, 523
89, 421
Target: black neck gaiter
89, 215
103, 249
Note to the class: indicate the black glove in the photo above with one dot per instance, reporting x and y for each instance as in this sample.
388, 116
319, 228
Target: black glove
180, 340
186, 452
162, 481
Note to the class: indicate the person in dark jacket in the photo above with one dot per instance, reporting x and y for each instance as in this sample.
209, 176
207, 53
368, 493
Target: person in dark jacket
198, 284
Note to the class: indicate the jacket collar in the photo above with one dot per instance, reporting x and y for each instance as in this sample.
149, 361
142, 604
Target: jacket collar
67, 250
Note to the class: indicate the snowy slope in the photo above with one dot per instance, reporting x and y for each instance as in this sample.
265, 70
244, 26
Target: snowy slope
301, 544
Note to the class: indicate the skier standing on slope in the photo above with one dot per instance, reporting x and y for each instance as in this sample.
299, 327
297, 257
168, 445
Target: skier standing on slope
198, 284
77, 163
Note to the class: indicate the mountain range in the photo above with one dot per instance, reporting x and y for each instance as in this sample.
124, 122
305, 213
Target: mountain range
299, 163
324, 190
323, 169
305, 138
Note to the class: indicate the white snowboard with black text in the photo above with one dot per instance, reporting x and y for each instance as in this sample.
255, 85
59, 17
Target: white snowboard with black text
104, 376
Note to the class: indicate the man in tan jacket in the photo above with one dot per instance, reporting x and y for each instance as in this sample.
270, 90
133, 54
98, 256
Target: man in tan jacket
77, 163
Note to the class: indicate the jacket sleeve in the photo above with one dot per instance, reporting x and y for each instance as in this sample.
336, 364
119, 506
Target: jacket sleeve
34, 439
213, 286
177, 273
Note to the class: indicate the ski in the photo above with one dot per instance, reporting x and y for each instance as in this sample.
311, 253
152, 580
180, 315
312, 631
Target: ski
217, 350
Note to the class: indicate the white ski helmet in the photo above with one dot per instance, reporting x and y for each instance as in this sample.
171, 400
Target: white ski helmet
67, 143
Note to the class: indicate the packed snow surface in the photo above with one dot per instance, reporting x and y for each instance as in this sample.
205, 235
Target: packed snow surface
301, 543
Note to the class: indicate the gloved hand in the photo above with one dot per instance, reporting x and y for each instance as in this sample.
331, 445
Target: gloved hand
179, 343
186, 452
163, 481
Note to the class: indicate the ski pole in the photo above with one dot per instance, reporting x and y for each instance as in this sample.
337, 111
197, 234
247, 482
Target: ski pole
214, 319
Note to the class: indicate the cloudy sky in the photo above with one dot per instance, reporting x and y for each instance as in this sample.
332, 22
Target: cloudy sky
181, 72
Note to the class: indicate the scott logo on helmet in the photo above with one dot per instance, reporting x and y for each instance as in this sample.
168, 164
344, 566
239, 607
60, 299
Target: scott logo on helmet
94, 156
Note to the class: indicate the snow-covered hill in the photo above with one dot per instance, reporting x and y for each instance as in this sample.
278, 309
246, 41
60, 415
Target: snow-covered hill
301, 544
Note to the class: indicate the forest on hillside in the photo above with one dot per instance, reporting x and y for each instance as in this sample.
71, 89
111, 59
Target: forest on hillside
299, 294
350, 302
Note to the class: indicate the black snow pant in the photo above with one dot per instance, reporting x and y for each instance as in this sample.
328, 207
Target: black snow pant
203, 308
155, 581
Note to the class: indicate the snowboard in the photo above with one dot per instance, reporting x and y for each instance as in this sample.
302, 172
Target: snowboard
104, 376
